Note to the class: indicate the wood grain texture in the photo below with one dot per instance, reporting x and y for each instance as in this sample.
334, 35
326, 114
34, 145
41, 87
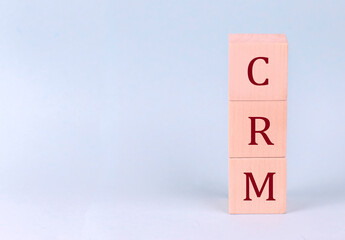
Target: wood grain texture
243, 48
259, 167
257, 38
240, 130
258, 65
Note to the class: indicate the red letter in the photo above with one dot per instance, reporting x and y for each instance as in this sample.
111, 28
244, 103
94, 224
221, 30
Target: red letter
269, 178
253, 131
250, 71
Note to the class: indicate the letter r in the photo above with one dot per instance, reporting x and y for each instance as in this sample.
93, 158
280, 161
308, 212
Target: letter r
262, 132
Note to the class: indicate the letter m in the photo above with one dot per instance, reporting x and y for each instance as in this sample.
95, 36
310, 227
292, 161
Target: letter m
250, 179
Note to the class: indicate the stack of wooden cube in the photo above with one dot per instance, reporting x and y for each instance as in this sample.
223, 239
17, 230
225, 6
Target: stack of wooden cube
258, 66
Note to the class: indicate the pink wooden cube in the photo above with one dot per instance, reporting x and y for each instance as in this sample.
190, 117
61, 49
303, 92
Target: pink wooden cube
258, 67
257, 128
257, 185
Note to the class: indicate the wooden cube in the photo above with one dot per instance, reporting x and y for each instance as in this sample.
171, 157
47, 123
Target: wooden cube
258, 67
257, 185
257, 128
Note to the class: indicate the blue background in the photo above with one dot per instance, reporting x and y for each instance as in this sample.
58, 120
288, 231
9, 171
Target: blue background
113, 119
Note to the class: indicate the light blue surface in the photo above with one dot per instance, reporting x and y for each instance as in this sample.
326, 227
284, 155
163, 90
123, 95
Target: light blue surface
113, 119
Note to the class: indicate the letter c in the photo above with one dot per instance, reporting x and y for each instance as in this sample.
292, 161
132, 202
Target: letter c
250, 71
